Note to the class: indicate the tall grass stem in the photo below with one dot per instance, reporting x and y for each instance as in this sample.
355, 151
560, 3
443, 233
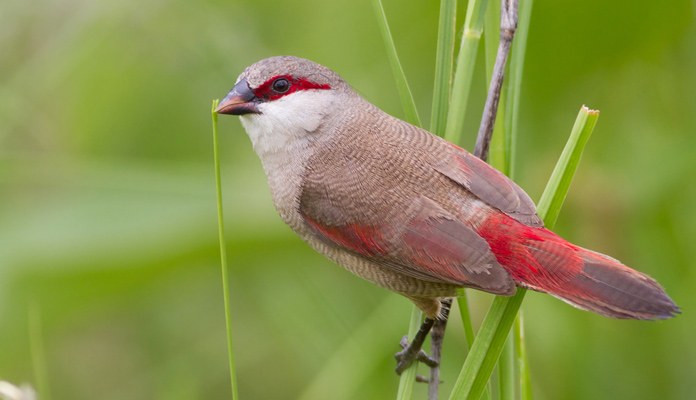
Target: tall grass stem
223, 257
464, 70
407, 103
38, 354
443, 66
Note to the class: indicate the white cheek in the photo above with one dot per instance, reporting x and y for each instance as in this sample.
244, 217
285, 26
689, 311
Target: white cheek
288, 122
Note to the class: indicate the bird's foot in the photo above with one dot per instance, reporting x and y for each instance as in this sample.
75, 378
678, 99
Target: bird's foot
412, 352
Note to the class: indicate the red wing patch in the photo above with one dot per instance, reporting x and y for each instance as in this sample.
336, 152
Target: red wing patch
428, 243
362, 239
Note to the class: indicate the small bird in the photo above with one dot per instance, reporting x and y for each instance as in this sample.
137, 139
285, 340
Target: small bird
407, 210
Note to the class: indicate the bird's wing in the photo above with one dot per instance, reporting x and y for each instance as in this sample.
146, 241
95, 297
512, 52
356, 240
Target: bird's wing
425, 242
489, 185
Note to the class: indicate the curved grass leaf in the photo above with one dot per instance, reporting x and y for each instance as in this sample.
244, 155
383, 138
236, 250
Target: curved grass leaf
496, 325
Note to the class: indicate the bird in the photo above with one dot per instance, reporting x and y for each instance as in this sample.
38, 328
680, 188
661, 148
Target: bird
407, 210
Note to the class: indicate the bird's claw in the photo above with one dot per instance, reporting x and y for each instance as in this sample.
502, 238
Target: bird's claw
408, 355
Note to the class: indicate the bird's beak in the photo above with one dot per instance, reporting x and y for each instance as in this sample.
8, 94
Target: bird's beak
239, 101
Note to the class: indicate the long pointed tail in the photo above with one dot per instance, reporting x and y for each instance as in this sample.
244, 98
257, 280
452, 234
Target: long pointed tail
543, 261
607, 287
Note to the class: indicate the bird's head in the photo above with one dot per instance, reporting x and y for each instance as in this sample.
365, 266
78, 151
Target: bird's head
275, 80
281, 98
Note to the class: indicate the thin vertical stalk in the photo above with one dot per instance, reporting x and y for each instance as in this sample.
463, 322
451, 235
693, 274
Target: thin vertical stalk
402, 86
38, 354
223, 257
491, 37
464, 71
463, 305
508, 24
506, 371
443, 66
515, 72
521, 360
499, 151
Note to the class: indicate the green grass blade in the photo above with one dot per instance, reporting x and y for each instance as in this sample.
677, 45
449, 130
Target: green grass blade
463, 304
223, 257
514, 78
443, 66
409, 106
38, 354
499, 151
506, 371
551, 201
521, 359
408, 377
488, 344
491, 37
496, 325
464, 71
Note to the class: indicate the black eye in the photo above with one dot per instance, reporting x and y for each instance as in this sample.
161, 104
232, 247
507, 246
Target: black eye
280, 85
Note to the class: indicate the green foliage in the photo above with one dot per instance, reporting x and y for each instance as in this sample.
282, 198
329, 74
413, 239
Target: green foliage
107, 220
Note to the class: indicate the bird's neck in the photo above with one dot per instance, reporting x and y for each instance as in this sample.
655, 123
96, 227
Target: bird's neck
283, 151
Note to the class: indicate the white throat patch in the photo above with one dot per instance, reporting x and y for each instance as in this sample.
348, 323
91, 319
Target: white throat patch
289, 122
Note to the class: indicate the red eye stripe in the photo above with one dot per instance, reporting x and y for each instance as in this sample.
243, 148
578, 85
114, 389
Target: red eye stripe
266, 92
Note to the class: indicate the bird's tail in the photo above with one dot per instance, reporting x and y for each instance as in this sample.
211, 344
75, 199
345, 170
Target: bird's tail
543, 261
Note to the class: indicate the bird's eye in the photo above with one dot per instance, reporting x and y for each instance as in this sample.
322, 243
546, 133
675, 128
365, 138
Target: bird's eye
281, 85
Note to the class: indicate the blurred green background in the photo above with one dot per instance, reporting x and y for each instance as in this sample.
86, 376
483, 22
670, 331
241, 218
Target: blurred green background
107, 208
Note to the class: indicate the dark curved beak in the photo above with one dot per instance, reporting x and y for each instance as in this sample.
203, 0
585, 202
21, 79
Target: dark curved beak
239, 101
